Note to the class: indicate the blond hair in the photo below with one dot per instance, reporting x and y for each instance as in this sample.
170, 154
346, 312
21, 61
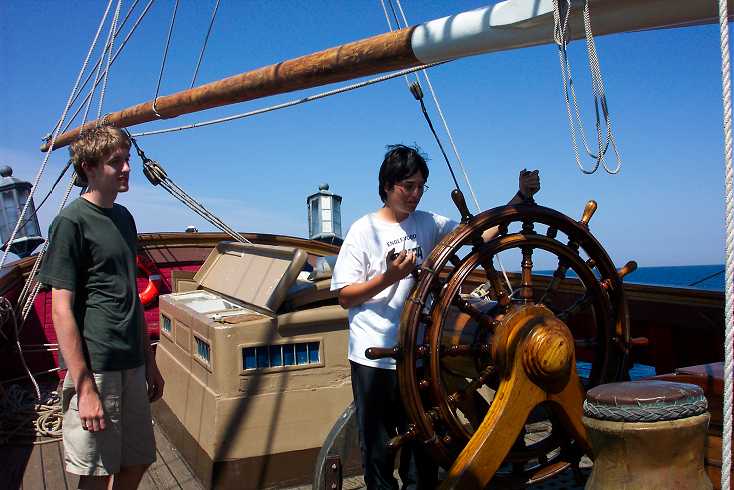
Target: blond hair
93, 145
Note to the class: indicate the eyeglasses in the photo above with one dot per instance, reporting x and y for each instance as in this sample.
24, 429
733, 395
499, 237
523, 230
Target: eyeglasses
410, 187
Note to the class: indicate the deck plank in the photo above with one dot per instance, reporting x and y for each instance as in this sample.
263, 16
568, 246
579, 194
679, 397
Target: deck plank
170, 456
160, 475
147, 483
53, 466
33, 476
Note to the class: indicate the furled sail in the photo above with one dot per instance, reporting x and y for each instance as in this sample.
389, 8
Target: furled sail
503, 26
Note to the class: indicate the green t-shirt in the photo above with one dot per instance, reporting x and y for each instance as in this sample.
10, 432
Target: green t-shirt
92, 253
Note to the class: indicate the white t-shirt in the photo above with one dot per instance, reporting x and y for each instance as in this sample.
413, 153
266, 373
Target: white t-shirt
375, 323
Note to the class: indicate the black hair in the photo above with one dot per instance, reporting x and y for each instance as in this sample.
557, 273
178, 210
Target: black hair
400, 163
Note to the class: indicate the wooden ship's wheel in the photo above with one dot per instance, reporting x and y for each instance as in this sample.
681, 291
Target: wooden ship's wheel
489, 377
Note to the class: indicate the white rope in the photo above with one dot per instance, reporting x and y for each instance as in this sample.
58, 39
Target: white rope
53, 137
7, 313
31, 288
291, 103
446, 128
110, 45
114, 58
560, 34
445, 124
729, 303
24, 417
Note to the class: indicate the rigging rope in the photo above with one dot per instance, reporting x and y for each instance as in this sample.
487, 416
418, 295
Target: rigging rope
111, 43
729, 302
117, 53
19, 408
434, 96
291, 103
158, 176
7, 314
706, 278
54, 136
206, 40
45, 198
30, 290
560, 34
418, 94
165, 55
89, 75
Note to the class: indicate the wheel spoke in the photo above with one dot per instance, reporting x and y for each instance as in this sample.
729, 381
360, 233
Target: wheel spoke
465, 349
526, 290
586, 342
482, 319
455, 261
558, 276
494, 279
474, 385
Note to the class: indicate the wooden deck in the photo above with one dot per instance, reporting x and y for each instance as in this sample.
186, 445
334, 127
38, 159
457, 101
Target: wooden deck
40, 467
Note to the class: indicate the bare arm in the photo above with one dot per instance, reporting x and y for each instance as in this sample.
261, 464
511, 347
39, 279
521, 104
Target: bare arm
152, 374
356, 294
529, 184
91, 412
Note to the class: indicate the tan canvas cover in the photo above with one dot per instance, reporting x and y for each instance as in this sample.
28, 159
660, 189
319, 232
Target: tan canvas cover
257, 275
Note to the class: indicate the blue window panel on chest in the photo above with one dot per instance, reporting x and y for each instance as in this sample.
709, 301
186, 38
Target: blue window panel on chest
262, 357
289, 355
166, 324
301, 354
202, 349
276, 356
249, 358
313, 353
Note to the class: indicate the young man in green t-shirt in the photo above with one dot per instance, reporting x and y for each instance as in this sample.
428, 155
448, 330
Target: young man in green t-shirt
112, 375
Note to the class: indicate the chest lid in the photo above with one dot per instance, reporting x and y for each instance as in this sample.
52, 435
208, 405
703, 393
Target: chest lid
257, 275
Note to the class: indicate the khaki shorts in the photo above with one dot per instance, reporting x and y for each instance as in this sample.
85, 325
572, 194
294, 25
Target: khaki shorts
128, 438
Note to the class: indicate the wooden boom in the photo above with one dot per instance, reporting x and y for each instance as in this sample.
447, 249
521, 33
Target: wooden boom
503, 26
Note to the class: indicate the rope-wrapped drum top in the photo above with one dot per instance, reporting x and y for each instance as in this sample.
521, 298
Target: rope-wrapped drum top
644, 401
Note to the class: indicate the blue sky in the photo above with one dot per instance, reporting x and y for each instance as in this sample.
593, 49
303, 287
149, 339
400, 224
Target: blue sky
506, 111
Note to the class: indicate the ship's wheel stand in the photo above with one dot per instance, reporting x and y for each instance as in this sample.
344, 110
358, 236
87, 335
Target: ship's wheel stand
478, 377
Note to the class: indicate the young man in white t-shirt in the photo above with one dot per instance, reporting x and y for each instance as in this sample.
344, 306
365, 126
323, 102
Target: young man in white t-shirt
372, 275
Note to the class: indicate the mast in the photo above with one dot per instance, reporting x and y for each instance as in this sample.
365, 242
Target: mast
507, 25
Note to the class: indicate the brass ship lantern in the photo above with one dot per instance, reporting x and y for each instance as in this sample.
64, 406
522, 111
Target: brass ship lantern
13, 196
324, 216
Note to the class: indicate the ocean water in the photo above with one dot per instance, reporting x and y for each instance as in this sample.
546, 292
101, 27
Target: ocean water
709, 277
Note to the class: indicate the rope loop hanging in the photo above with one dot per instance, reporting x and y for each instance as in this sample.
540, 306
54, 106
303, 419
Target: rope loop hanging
604, 135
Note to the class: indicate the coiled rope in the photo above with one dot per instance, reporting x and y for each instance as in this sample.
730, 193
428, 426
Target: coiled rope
23, 418
729, 188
